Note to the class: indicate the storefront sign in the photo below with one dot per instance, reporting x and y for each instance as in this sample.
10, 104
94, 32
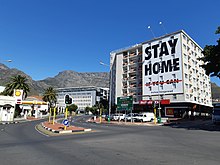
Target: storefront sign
150, 102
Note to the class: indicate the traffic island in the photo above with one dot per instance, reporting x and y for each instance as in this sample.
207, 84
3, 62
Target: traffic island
59, 128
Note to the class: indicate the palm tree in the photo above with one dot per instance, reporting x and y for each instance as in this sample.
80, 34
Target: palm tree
50, 95
17, 82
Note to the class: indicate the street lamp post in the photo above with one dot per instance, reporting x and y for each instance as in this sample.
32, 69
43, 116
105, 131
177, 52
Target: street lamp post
110, 98
159, 108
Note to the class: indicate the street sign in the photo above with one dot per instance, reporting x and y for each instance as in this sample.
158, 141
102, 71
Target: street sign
125, 103
65, 122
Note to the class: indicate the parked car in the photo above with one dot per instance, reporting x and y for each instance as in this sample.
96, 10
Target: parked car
119, 116
216, 114
106, 117
144, 117
130, 115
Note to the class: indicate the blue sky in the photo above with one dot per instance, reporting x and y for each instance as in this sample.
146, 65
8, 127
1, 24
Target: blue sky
45, 37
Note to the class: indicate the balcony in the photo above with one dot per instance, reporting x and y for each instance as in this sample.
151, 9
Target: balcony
125, 64
124, 79
132, 71
131, 63
139, 53
132, 55
125, 56
132, 79
132, 86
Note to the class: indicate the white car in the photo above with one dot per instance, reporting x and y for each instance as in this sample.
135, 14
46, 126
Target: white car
119, 116
144, 117
128, 116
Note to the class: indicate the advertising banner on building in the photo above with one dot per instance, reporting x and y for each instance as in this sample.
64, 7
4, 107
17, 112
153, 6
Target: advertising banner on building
162, 66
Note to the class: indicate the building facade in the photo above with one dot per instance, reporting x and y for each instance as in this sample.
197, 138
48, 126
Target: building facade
7, 108
81, 96
165, 70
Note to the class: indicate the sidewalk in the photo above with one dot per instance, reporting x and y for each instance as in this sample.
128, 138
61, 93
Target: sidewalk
124, 123
19, 120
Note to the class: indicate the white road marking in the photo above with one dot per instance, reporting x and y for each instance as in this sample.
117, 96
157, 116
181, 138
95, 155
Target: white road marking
41, 132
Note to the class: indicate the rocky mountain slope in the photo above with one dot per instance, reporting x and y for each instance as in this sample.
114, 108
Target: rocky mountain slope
62, 80
215, 91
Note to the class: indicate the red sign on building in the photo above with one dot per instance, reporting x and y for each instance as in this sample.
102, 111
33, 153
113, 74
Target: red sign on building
150, 102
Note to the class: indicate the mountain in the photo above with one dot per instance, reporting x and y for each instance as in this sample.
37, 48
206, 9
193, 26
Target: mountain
6, 73
215, 91
75, 79
63, 79
69, 78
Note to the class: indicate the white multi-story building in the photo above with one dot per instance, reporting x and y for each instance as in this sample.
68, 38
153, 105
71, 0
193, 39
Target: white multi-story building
81, 96
165, 70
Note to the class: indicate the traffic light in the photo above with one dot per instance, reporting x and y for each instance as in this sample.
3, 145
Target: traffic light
68, 99
154, 104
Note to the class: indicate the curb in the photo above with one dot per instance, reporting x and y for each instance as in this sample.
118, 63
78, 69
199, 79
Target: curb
131, 124
65, 131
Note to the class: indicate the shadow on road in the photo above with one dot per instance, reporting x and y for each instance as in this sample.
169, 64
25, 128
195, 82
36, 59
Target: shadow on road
197, 124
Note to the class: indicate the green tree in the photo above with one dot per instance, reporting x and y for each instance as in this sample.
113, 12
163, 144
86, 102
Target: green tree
17, 82
72, 108
211, 58
50, 95
87, 109
94, 110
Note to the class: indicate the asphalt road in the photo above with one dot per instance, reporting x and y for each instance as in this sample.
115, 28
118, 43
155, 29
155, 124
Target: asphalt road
109, 144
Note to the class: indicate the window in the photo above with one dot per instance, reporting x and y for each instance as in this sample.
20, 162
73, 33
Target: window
187, 96
185, 57
184, 37
185, 66
184, 46
188, 48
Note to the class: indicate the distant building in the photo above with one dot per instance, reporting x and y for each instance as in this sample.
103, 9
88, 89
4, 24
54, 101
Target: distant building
7, 108
165, 70
2, 89
34, 106
81, 96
